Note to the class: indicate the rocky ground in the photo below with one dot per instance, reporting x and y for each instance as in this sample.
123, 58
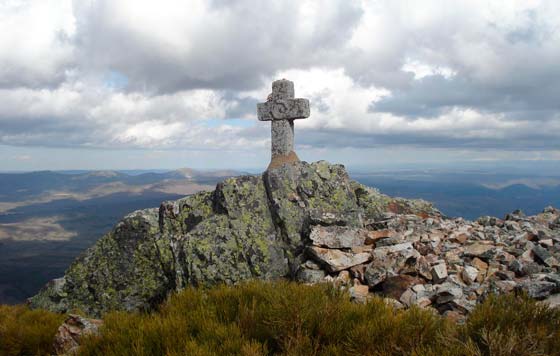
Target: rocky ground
433, 261
311, 223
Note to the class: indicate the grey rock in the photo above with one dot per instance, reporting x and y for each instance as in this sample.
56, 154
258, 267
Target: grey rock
337, 236
469, 274
505, 275
482, 251
375, 273
462, 305
516, 266
395, 248
552, 301
307, 275
554, 278
447, 292
336, 260
309, 264
544, 256
408, 298
531, 268
537, 289
439, 272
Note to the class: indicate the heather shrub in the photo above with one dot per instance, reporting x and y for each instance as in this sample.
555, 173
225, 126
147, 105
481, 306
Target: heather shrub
284, 318
27, 332
512, 325
260, 318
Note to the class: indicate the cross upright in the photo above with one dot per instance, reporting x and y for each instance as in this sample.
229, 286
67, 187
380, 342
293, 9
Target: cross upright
282, 109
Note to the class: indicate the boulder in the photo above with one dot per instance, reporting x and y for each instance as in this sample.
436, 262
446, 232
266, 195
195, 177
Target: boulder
469, 274
537, 289
336, 260
544, 256
439, 272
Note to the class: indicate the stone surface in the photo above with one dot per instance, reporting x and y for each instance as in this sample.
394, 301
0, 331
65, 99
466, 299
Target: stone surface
439, 272
359, 292
553, 301
469, 274
337, 236
336, 260
68, 335
307, 275
282, 109
538, 289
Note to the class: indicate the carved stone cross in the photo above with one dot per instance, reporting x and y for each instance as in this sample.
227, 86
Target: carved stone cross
282, 109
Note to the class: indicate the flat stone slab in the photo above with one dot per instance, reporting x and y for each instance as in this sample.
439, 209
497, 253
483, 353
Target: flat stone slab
337, 236
337, 260
477, 250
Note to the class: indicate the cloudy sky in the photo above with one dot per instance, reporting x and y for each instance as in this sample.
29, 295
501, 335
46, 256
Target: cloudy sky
167, 84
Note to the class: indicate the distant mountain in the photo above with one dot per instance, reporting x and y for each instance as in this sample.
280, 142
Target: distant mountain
467, 194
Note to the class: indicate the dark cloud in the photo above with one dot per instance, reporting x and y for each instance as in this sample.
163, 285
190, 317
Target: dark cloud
521, 141
431, 95
234, 46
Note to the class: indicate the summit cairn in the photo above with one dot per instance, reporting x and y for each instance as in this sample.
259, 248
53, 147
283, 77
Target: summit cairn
282, 109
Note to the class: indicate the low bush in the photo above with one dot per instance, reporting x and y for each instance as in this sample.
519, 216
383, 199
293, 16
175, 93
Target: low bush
260, 318
512, 325
27, 332
283, 318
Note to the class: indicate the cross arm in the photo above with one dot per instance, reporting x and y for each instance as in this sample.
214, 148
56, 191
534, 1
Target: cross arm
283, 109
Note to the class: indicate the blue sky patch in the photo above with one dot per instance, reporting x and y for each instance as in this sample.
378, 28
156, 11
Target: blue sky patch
115, 80
231, 122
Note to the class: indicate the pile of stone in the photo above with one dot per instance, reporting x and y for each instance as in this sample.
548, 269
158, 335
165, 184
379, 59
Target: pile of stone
437, 262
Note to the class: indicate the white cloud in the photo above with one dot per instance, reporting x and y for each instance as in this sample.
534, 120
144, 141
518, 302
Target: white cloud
36, 45
168, 74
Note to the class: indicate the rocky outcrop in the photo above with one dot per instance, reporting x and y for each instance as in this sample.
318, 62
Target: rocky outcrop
311, 223
249, 227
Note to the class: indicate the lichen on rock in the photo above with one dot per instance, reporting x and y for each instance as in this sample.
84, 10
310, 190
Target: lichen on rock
248, 227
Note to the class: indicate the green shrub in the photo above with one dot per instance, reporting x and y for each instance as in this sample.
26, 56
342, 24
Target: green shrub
513, 325
259, 318
27, 332
283, 318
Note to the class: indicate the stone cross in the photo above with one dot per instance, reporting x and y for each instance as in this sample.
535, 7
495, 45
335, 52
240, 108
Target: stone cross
282, 109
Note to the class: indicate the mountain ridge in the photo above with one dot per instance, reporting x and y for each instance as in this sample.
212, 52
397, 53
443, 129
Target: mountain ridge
311, 223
